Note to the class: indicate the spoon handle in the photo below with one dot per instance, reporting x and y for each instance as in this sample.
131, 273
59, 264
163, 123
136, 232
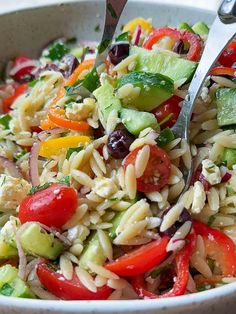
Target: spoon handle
114, 9
219, 36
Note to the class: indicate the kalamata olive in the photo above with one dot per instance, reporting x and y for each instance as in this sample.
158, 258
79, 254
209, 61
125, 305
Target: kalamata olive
179, 46
184, 216
68, 64
119, 142
47, 67
118, 52
98, 132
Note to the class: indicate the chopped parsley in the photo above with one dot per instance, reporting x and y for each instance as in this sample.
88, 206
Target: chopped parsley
165, 137
33, 83
123, 37
5, 121
56, 51
167, 118
112, 11
19, 155
65, 180
38, 188
103, 45
71, 150
97, 28
211, 219
6, 290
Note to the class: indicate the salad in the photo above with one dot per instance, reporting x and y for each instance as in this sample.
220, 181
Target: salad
91, 189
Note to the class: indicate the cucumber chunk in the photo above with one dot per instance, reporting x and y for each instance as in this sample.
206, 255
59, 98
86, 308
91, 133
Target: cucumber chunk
200, 28
185, 27
12, 285
178, 69
37, 242
6, 249
226, 109
155, 88
135, 121
229, 155
106, 102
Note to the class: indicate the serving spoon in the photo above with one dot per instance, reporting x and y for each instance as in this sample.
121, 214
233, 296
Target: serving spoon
221, 33
114, 9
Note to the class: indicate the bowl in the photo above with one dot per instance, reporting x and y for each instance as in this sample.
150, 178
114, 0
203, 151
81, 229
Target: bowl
27, 32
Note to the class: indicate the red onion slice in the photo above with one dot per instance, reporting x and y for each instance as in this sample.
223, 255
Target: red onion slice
11, 167
22, 65
44, 134
138, 33
226, 177
33, 164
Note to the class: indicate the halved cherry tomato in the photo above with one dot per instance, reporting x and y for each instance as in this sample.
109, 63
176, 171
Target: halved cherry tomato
53, 206
140, 260
182, 273
219, 247
228, 56
68, 289
157, 171
170, 108
193, 40
223, 71
24, 74
7, 102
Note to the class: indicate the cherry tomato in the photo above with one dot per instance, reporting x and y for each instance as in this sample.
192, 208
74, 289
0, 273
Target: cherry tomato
157, 171
170, 108
53, 206
140, 260
228, 56
182, 273
7, 102
219, 247
24, 74
68, 289
35, 129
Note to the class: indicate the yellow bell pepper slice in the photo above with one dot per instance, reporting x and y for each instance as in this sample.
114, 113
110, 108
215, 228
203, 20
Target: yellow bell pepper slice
131, 25
55, 146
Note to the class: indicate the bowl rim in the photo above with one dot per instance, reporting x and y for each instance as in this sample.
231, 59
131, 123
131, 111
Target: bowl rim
107, 306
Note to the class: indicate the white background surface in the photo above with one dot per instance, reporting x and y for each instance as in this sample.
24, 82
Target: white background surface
8, 5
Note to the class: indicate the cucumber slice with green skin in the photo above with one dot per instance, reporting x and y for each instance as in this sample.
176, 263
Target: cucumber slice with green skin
165, 137
106, 102
155, 88
6, 249
226, 109
185, 27
12, 285
229, 155
37, 242
115, 221
178, 69
92, 252
135, 121
200, 28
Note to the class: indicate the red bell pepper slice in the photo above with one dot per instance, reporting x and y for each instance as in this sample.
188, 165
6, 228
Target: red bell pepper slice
68, 289
223, 71
193, 40
140, 260
182, 271
219, 247
7, 102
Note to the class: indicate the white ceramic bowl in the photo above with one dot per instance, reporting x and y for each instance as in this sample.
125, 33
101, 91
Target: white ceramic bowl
26, 32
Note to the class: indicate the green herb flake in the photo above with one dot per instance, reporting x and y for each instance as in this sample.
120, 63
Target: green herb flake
165, 137
204, 288
71, 150
112, 11
33, 83
113, 199
167, 118
19, 155
65, 180
97, 28
222, 163
56, 51
6, 290
5, 121
211, 220
123, 37
38, 188
156, 272
103, 45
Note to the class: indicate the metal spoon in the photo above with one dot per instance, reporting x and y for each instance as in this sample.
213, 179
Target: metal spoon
221, 33
114, 8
